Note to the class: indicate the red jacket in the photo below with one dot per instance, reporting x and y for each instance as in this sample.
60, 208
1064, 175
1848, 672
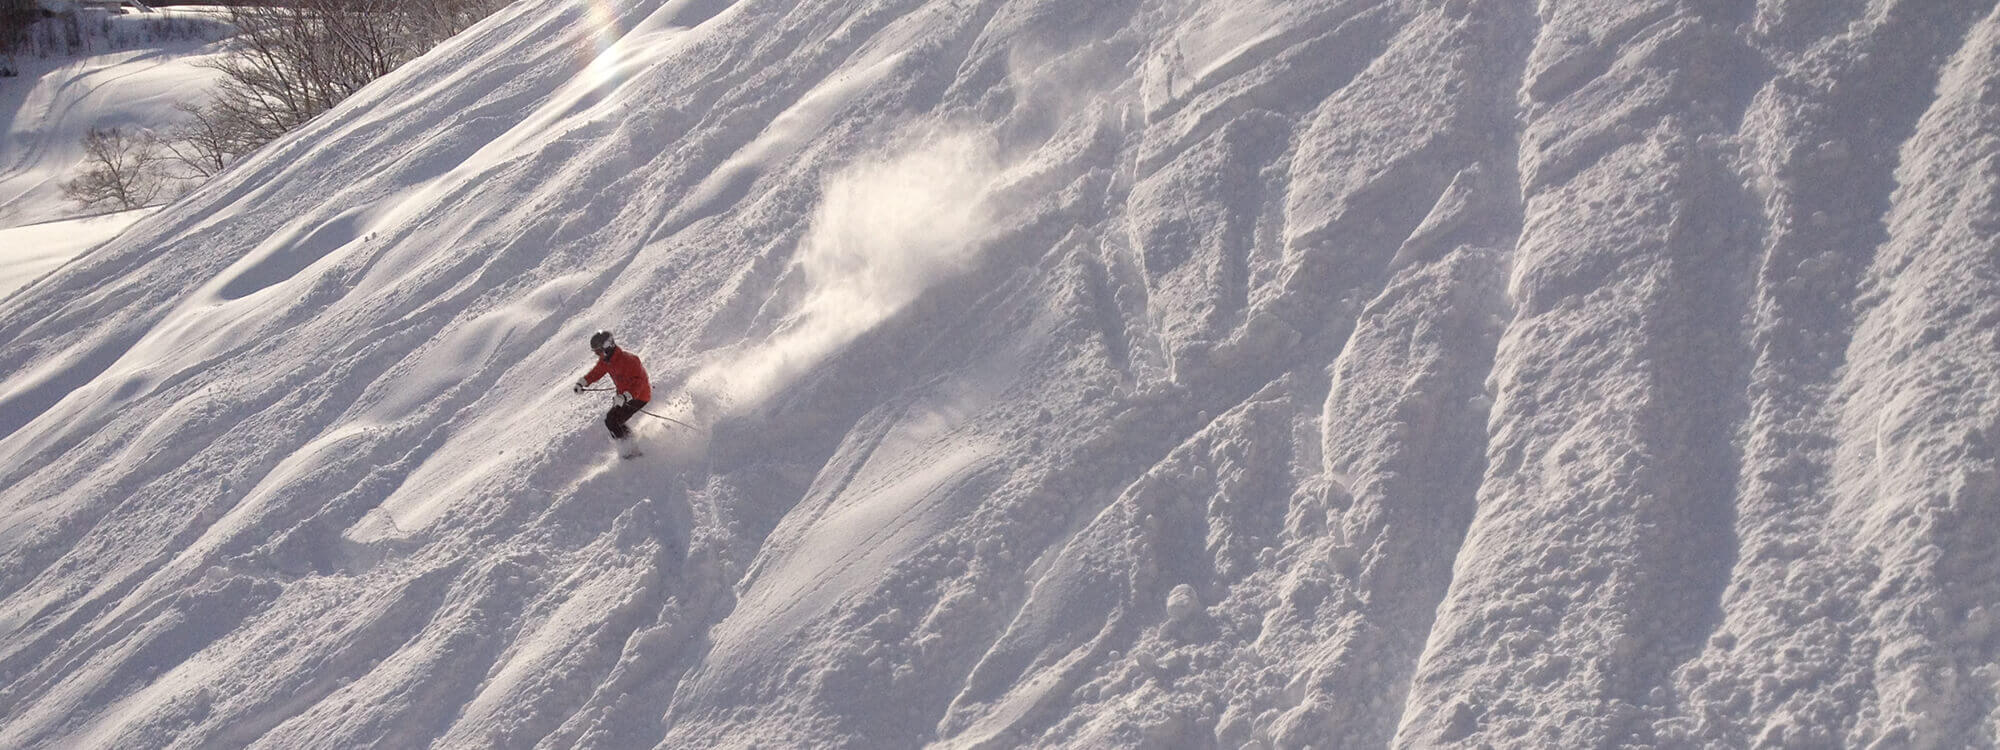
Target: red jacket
626, 373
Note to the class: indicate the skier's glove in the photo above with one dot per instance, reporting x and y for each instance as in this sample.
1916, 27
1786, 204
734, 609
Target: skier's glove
578, 387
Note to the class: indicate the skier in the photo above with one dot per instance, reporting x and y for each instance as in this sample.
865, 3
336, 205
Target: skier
634, 389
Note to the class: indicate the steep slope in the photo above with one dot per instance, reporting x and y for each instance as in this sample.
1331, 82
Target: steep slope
1345, 374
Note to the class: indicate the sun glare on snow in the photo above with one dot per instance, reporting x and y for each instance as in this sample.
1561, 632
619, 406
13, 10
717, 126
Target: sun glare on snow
603, 36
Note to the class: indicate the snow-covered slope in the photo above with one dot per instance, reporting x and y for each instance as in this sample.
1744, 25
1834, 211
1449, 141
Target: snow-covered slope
36, 249
1347, 374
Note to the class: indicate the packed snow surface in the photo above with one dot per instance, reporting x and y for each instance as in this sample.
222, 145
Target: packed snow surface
1405, 373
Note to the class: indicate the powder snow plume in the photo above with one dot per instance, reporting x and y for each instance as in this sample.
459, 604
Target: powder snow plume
886, 229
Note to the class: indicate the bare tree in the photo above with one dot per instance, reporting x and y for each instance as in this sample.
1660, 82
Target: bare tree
295, 60
121, 169
205, 143
15, 16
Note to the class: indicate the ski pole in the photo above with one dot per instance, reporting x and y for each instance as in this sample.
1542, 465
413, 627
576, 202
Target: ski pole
647, 413
670, 419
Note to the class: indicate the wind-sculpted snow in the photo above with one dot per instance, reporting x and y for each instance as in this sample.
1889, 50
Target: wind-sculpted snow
1258, 374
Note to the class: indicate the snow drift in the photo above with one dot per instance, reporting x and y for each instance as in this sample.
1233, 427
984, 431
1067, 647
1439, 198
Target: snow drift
1269, 374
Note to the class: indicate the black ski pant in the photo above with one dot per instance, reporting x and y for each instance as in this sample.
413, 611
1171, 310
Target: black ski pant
615, 419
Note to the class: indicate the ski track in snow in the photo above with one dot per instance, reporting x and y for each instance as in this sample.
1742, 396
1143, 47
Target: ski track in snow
1472, 373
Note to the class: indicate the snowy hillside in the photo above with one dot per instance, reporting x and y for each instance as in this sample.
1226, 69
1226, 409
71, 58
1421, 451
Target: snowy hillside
129, 77
1405, 373
130, 74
